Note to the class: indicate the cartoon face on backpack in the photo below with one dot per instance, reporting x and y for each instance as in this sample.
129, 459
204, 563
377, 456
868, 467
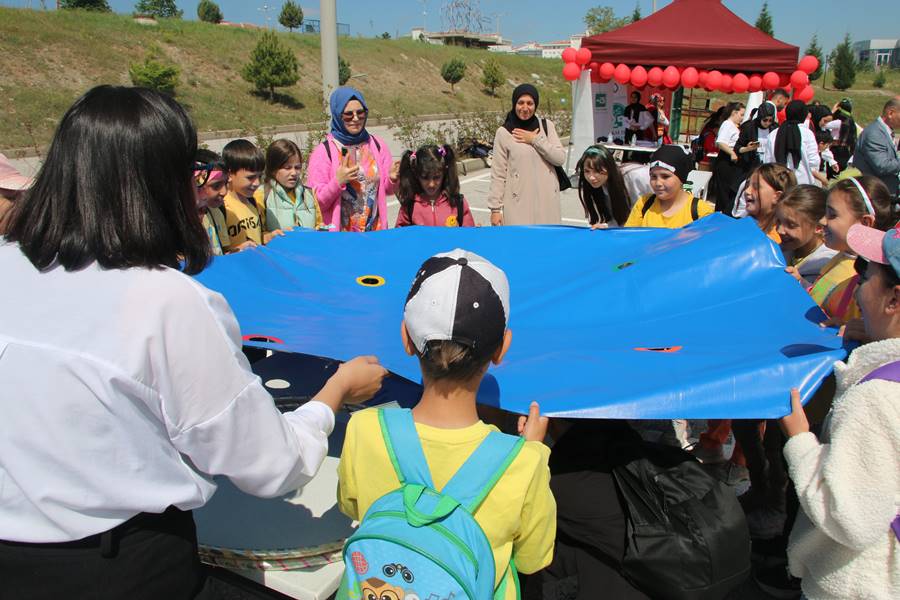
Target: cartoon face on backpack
376, 589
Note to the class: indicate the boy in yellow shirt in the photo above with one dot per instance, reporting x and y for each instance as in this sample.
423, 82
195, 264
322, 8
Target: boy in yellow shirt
245, 164
670, 205
455, 322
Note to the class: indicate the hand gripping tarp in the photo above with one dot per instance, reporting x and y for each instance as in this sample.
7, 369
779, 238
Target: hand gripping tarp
700, 322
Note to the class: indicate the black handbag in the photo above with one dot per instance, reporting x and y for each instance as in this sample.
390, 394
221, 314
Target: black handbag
563, 179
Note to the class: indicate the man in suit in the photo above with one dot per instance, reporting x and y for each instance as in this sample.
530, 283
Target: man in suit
875, 151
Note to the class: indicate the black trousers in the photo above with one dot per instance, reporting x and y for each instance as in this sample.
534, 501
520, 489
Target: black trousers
150, 557
728, 177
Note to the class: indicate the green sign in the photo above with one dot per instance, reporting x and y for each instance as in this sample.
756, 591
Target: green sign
599, 100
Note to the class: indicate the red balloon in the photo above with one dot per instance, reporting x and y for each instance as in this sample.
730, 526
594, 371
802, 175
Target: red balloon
701, 78
690, 77
595, 77
805, 95
571, 71
725, 86
594, 67
784, 79
583, 56
714, 80
770, 80
799, 79
808, 64
622, 74
671, 77
607, 70
639, 76
740, 83
569, 54
655, 76
755, 83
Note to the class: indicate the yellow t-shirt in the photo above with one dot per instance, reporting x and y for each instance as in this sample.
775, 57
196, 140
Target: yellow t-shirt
656, 218
518, 516
259, 196
243, 220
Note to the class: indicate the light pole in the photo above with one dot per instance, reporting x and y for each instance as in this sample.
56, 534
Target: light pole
328, 35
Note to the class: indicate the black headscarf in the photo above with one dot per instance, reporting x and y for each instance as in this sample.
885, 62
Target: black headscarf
844, 114
788, 141
749, 132
816, 113
512, 119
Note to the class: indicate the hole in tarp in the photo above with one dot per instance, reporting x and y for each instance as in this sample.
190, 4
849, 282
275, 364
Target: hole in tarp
268, 339
623, 266
370, 280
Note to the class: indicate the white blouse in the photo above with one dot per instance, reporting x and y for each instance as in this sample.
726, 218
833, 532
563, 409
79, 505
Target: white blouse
728, 133
123, 391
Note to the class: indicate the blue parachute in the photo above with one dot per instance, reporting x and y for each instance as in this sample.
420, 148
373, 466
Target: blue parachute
699, 322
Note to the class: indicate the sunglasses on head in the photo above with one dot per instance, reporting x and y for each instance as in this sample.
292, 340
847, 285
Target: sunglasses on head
202, 172
359, 114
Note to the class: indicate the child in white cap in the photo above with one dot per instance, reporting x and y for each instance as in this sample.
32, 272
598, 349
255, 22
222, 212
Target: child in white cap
455, 323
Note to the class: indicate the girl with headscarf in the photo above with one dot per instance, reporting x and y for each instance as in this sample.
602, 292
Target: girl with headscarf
845, 143
352, 171
753, 136
794, 145
524, 187
819, 117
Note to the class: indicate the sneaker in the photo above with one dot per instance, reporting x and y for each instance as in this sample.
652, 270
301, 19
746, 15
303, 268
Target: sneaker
778, 582
709, 456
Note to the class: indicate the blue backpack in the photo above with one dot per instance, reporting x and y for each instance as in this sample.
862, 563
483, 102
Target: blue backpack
417, 543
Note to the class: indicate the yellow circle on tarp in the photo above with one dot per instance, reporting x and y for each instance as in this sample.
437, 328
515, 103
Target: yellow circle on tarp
370, 280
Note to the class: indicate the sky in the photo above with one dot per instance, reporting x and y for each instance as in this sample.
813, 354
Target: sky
543, 21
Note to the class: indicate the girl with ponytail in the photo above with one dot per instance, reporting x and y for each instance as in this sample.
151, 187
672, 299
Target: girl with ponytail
428, 189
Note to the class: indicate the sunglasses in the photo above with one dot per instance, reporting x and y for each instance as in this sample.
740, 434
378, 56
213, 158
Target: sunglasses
359, 114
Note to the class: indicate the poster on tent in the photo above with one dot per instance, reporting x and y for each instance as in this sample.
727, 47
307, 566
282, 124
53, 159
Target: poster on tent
610, 100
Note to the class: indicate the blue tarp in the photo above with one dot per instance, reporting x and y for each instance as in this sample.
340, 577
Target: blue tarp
699, 322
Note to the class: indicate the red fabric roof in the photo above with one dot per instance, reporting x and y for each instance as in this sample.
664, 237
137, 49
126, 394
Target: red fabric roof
694, 33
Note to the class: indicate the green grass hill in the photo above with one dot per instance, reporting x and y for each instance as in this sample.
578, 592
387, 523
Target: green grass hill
49, 58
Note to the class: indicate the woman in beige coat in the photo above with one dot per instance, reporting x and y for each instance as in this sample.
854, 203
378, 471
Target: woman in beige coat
524, 188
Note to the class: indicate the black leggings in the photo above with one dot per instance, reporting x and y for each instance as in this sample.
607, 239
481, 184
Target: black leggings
149, 557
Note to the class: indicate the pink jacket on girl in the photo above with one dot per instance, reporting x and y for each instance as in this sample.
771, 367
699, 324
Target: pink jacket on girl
439, 214
321, 178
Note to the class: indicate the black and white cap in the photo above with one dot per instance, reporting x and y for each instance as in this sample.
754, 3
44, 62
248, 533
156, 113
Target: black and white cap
458, 296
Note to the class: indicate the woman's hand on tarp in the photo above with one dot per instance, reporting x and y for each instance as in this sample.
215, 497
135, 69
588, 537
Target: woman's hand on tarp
796, 422
355, 381
533, 427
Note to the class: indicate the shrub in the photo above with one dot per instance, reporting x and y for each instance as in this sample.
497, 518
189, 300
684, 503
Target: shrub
453, 71
271, 65
291, 15
165, 9
209, 12
880, 79
343, 71
98, 5
492, 76
155, 75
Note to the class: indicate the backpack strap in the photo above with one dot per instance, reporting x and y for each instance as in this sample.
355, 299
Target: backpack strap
888, 372
460, 211
695, 201
647, 204
544, 126
327, 149
471, 484
403, 446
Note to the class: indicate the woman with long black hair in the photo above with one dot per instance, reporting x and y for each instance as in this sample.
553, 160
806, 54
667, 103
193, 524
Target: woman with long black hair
601, 188
845, 144
123, 388
794, 144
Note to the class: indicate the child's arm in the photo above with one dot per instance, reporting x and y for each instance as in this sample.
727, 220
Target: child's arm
549, 146
533, 542
322, 179
847, 487
468, 219
402, 218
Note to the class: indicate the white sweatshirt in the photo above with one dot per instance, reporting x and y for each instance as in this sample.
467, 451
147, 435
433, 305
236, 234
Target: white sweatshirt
848, 484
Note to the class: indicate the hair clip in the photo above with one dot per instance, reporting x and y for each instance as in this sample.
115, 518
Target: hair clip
412, 156
442, 151
868, 203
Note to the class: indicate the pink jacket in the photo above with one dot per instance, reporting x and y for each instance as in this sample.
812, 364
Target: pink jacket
321, 178
440, 214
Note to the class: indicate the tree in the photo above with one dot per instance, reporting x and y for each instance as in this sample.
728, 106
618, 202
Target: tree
271, 65
291, 15
636, 15
155, 75
343, 71
814, 50
843, 65
880, 79
385, 36
98, 5
209, 12
492, 76
453, 71
601, 19
165, 9
764, 21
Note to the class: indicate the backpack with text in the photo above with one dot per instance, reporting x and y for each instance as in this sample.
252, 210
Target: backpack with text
417, 543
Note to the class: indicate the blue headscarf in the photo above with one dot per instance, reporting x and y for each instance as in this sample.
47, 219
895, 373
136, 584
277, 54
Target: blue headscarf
339, 99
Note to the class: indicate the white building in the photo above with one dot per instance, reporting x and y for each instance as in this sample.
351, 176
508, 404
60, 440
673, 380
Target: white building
880, 53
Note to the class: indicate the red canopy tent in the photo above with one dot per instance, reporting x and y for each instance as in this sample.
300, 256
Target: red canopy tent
694, 33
